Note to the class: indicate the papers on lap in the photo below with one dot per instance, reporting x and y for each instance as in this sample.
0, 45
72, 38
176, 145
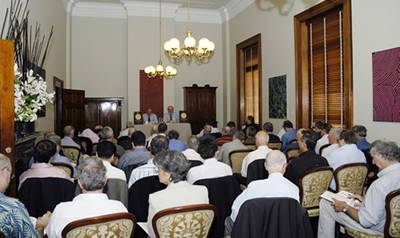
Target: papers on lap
341, 196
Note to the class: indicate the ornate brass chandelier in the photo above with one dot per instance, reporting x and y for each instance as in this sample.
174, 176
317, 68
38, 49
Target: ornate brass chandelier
152, 72
189, 47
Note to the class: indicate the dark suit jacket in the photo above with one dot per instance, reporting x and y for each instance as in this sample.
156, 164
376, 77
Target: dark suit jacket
273, 137
306, 160
272, 217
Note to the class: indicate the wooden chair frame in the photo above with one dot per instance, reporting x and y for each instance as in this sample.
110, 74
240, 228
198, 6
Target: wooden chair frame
237, 151
58, 164
338, 169
182, 209
99, 219
310, 171
292, 141
272, 145
323, 147
289, 150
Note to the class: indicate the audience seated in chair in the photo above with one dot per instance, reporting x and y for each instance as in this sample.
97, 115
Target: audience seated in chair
269, 128
236, 144
172, 169
191, 150
250, 122
333, 137
211, 167
125, 141
225, 136
107, 134
67, 140
207, 133
87, 145
361, 134
92, 202
371, 216
126, 130
308, 159
256, 171
213, 129
324, 140
14, 219
289, 135
106, 151
250, 135
274, 186
138, 155
174, 143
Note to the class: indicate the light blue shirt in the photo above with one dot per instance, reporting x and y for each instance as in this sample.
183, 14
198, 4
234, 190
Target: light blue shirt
176, 145
143, 171
287, 137
153, 118
274, 186
344, 155
167, 117
363, 144
14, 218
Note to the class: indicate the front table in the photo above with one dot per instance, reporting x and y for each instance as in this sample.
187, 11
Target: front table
184, 129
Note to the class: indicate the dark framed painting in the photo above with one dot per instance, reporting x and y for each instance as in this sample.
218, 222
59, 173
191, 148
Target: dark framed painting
277, 97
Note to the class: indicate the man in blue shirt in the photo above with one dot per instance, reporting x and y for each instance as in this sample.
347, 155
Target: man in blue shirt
289, 135
361, 133
14, 218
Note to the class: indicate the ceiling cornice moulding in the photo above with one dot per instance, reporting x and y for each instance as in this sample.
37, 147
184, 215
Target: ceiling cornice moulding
198, 15
234, 7
103, 10
150, 9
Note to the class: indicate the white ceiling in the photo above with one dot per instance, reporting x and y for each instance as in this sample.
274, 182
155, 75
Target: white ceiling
210, 4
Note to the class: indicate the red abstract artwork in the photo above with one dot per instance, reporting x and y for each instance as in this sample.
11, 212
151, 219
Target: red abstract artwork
151, 94
386, 85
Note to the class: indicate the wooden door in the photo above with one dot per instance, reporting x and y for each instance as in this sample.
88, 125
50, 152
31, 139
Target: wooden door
58, 86
105, 112
7, 136
74, 109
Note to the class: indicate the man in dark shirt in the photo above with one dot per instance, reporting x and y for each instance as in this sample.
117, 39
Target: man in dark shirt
306, 160
250, 122
269, 128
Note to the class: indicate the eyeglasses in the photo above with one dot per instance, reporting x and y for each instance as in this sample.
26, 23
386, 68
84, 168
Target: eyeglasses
12, 176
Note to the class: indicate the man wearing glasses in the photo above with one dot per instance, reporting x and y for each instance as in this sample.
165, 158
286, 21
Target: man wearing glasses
14, 218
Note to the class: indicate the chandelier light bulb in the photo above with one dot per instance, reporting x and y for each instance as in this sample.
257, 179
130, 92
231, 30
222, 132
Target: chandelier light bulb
203, 43
159, 68
211, 46
168, 69
190, 41
174, 43
167, 46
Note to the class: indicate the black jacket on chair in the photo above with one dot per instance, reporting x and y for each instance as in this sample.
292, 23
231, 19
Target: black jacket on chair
272, 217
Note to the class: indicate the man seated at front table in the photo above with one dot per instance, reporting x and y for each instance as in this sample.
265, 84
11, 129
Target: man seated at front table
171, 116
149, 116
211, 168
274, 186
42, 168
92, 202
370, 217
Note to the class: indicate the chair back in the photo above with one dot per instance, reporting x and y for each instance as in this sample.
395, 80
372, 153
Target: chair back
322, 148
236, 158
94, 147
116, 158
114, 225
272, 218
222, 192
275, 145
194, 163
72, 153
66, 167
128, 149
292, 141
292, 153
128, 169
138, 198
219, 147
313, 183
351, 177
124, 141
256, 171
87, 144
392, 226
251, 146
40, 195
185, 221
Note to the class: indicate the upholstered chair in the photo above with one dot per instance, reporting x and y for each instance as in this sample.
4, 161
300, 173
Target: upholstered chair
313, 183
275, 145
120, 225
236, 158
292, 153
186, 221
66, 167
72, 153
351, 177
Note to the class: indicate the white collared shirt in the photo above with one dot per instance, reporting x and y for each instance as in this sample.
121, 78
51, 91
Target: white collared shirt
210, 168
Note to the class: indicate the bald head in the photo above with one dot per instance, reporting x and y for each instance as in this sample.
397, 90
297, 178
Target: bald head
262, 138
275, 162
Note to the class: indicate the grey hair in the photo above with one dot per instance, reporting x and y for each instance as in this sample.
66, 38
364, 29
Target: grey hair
226, 130
107, 132
92, 173
5, 162
360, 130
207, 128
173, 162
154, 129
55, 138
387, 149
193, 142
129, 124
68, 130
335, 131
131, 130
275, 160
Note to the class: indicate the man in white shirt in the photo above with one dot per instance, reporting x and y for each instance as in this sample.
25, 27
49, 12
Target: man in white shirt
92, 202
125, 132
213, 129
324, 140
274, 186
333, 137
260, 153
149, 116
191, 151
171, 116
106, 151
346, 154
211, 167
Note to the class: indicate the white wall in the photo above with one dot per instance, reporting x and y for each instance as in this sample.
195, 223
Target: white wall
47, 13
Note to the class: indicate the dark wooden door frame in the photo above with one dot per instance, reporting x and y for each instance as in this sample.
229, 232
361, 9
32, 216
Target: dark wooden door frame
58, 109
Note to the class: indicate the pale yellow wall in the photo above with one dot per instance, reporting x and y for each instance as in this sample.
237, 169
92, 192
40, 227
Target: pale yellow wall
47, 13
99, 57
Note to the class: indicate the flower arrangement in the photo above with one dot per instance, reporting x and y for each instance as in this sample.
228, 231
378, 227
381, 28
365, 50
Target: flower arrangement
30, 95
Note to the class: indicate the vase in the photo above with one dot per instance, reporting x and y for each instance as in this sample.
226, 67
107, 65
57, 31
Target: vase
23, 128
